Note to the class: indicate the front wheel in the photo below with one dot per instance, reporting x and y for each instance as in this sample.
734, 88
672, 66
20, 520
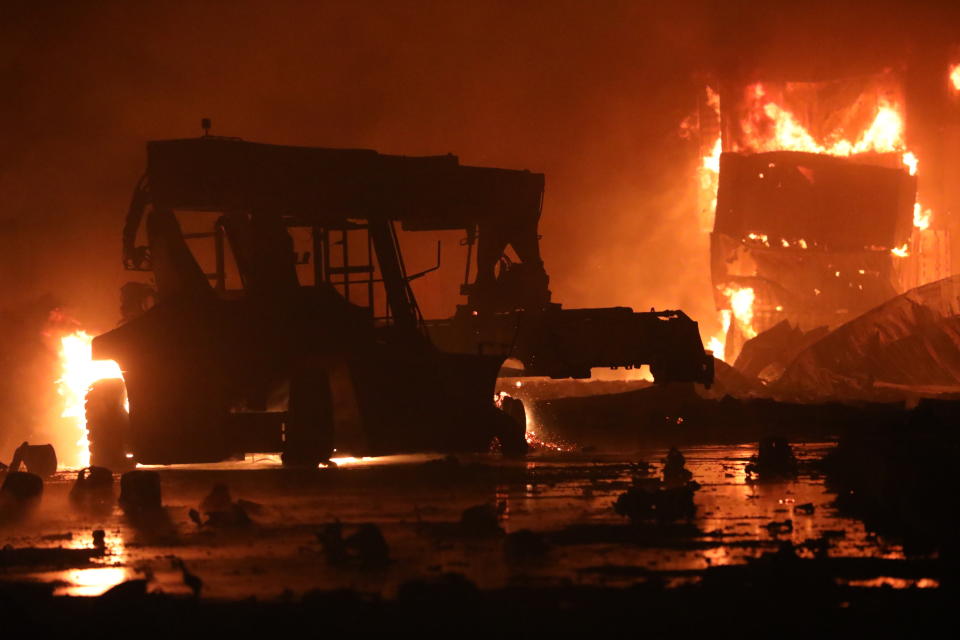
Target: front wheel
108, 425
308, 432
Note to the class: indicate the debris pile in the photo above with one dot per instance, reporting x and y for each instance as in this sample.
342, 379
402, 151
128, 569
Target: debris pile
773, 461
662, 500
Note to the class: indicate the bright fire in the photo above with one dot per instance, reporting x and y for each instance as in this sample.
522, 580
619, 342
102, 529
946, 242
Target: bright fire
771, 127
921, 217
741, 302
78, 371
955, 77
709, 170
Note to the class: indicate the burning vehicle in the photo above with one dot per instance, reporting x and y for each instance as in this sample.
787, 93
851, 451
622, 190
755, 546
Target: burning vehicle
322, 346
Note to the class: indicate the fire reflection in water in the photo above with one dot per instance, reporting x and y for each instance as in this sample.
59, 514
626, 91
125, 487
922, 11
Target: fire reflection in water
92, 582
97, 579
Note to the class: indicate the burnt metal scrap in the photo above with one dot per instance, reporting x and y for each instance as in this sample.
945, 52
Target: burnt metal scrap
909, 343
343, 359
811, 234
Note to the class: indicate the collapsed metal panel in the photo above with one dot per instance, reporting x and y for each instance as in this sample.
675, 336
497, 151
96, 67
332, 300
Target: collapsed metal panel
836, 203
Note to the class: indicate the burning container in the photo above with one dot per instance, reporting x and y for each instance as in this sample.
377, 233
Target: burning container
830, 193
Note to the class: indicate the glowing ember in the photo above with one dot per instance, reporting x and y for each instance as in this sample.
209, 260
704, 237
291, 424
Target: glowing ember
78, 371
536, 442
955, 77
900, 252
760, 237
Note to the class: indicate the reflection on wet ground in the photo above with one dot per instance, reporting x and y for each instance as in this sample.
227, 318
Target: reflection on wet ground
417, 503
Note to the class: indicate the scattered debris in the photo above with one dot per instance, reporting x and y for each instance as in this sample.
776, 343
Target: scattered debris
524, 545
648, 500
776, 528
222, 511
365, 547
140, 492
55, 537
666, 500
675, 473
192, 581
46, 557
134, 589
233, 516
480, 520
331, 538
20, 494
93, 490
774, 460
40, 459
369, 546
217, 500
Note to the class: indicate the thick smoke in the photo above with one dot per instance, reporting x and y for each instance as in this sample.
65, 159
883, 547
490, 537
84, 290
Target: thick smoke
589, 93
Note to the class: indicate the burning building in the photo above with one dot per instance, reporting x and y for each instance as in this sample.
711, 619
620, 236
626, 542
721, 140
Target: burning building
825, 196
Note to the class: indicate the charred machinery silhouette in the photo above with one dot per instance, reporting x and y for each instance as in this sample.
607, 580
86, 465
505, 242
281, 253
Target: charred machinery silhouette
317, 350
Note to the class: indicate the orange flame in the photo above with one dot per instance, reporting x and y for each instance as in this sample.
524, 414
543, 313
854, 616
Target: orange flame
921, 217
770, 127
709, 170
78, 371
741, 303
717, 346
955, 76
911, 162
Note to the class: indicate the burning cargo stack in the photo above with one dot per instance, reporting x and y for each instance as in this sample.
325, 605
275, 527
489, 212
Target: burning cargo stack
825, 198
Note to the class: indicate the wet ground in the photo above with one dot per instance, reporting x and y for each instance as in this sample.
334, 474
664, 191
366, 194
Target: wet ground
417, 503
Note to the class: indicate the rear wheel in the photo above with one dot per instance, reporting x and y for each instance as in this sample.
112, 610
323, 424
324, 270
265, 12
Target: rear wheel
108, 424
308, 433
512, 427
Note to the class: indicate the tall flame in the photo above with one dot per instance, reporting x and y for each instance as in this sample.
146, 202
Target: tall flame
709, 170
770, 127
78, 372
741, 303
921, 216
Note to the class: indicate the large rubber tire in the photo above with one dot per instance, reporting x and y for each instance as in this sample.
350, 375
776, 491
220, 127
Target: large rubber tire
108, 425
512, 428
308, 433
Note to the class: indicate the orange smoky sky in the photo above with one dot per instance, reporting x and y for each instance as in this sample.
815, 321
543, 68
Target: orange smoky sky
589, 93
